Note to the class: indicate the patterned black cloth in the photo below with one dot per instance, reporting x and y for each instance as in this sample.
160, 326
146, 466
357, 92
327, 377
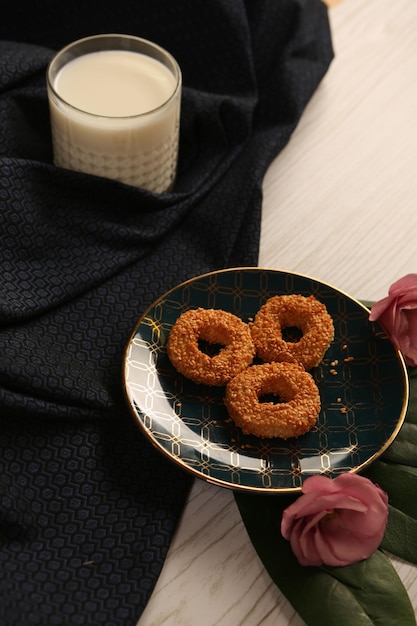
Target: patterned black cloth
88, 507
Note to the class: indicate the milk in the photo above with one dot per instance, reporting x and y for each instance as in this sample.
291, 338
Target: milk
115, 113
115, 83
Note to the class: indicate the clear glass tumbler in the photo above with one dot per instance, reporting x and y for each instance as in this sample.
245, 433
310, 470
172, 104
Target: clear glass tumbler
114, 104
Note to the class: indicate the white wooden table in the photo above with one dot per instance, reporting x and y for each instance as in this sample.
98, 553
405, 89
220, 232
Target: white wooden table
340, 204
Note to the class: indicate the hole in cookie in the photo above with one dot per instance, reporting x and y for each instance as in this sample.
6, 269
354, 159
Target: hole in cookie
211, 349
291, 334
270, 397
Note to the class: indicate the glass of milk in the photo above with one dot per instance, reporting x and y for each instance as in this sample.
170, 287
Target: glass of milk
115, 105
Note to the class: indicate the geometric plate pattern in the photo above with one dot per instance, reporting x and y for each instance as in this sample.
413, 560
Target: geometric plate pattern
362, 381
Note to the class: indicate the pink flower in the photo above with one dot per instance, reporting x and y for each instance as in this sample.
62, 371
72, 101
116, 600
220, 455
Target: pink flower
336, 521
397, 314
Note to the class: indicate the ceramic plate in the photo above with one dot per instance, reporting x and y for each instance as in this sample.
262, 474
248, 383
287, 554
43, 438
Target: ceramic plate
362, 381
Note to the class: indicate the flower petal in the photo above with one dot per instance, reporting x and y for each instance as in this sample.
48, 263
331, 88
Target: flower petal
406, 283
319, 482
308, 506
380, 307
359, 486
397, 314
302, 544
335, 550
336, 521
361, 546
338, 546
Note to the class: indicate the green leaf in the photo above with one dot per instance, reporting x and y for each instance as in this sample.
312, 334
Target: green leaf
404, 448
401, 535
399, 482
411, 416
396, 473
373, 583
364, 594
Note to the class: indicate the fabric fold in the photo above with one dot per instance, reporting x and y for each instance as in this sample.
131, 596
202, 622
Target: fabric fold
88, 506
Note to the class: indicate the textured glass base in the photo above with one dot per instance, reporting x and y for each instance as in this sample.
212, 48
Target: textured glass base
154, 170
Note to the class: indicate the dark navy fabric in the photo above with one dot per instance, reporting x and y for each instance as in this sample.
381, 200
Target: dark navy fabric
87, 505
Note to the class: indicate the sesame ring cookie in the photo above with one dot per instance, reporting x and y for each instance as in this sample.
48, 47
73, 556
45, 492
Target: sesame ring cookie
305, 313
216, 327
295, 413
